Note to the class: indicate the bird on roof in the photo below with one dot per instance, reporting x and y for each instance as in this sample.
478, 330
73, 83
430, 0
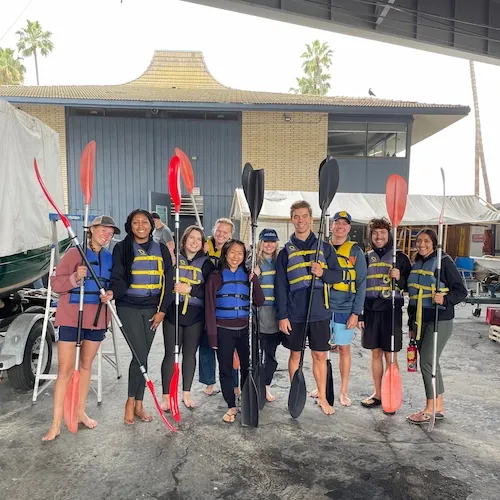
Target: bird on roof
370, 92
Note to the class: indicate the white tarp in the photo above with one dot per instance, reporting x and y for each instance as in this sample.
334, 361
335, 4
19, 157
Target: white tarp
420, 209
23, 207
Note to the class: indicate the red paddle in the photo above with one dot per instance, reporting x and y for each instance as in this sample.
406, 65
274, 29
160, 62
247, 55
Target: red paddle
188, 179
72, 396
111, 307
396, 194
175, 194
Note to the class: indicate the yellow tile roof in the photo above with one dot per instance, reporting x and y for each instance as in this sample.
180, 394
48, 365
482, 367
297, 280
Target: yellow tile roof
183, 77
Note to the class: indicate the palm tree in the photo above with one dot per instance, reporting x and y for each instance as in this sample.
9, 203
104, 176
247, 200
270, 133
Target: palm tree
479, 150
317, 62
11, 69
33, 39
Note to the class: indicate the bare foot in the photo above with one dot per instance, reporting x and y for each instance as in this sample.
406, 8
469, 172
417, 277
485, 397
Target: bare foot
230, 416
186, 399
165, 404
129, 412
327, 409
142, 413
344, 400
209, 390
87, 421
314, 394
54, 431
269, 396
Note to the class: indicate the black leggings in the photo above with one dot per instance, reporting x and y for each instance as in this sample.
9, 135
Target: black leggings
269, 343
227, 341
189, 339
138, 329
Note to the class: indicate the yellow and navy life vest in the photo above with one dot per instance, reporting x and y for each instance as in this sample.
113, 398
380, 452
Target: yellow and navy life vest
147, 271
101, 262
266, 280
232, 300
346, 262
378, 281
213, 253
191, 274
421, 288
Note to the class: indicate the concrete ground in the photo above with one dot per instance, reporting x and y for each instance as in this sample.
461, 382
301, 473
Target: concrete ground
356, 454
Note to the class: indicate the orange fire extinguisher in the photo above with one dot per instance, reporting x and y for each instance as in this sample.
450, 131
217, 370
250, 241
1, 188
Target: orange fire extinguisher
412, 356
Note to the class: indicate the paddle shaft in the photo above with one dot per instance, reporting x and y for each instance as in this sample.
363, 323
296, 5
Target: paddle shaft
196, 213
177, 256
250, 311
393, 292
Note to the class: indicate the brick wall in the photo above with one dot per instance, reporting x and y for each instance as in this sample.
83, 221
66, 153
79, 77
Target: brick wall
290, 151
54, 117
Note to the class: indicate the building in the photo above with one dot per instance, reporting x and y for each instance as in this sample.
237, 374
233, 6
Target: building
176, 102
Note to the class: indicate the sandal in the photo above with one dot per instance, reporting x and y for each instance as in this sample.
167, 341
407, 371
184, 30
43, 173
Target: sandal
418, 418
371, 402
229, 418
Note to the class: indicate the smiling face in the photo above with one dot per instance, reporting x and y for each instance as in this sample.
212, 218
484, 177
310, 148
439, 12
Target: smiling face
222, 233
194, 242
141, 228
235, 256
380, 238
424, 245
301, 220
101, 235
268, 248
340, 229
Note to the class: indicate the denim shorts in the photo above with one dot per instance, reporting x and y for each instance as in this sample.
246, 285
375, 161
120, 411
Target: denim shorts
69, 334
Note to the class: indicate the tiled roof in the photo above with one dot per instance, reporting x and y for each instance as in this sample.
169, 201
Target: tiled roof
182, 77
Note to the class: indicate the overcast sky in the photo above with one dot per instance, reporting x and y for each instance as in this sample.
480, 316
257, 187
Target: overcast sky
108, 42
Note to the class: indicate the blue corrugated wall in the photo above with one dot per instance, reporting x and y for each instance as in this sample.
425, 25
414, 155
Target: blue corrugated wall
133, 155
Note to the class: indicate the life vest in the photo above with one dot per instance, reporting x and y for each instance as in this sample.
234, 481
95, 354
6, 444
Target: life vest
378, 281
147, 271
266, 280
213, 253
421, 288
232, 300
101, 263
298, 269
346, 262
191, 273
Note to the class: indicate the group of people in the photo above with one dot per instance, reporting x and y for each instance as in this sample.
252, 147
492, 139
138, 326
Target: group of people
352, 290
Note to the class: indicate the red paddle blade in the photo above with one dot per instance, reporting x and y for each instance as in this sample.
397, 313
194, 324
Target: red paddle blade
151, 388
396, 194
87, 162
392, 390
173, 182
63, 218
71, 402
186, 170
173, 393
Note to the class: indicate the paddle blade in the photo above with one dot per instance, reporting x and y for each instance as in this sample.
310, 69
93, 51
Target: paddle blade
392, 389
396, 194
173, 393
87, 163
173, 182
151, 388
297, 395
258, 197
330, 393
250, 403
71, 402
328, 183
245, 179
261, 385
186, 170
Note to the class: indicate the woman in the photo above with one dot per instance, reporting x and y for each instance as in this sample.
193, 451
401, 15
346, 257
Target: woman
194, 269
421, 312
227, 305
66, 282
141, 281
270, 335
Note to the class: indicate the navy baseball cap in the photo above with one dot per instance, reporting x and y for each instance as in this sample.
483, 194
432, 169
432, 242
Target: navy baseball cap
342, 215
268, 235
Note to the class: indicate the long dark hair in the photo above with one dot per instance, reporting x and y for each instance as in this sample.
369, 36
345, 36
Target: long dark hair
188, 231
431, 234
128, 249
225, 249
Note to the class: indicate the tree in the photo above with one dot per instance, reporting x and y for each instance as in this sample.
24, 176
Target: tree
317, 61
11, 69
32, 40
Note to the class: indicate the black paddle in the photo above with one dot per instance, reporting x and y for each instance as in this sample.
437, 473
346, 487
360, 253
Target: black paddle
260, 374
253, 187
328, 184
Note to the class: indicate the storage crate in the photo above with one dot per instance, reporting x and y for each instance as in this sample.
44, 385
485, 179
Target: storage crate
493, 316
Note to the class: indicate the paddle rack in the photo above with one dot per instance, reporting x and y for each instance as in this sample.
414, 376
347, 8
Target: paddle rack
112, 357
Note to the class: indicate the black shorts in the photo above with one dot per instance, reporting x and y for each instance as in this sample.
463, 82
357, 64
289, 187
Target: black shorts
378, 329
318, 334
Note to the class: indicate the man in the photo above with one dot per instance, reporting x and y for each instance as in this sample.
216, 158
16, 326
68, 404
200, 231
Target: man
162, 234
294, 269
346, 297
377, 324
222, 232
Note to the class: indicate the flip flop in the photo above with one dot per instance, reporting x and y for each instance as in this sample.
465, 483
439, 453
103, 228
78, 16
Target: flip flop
231, 418
366, 404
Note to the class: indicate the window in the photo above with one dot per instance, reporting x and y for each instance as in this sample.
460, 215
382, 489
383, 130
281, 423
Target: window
383, 140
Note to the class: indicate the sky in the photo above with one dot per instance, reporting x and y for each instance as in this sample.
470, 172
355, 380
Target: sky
108, 42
